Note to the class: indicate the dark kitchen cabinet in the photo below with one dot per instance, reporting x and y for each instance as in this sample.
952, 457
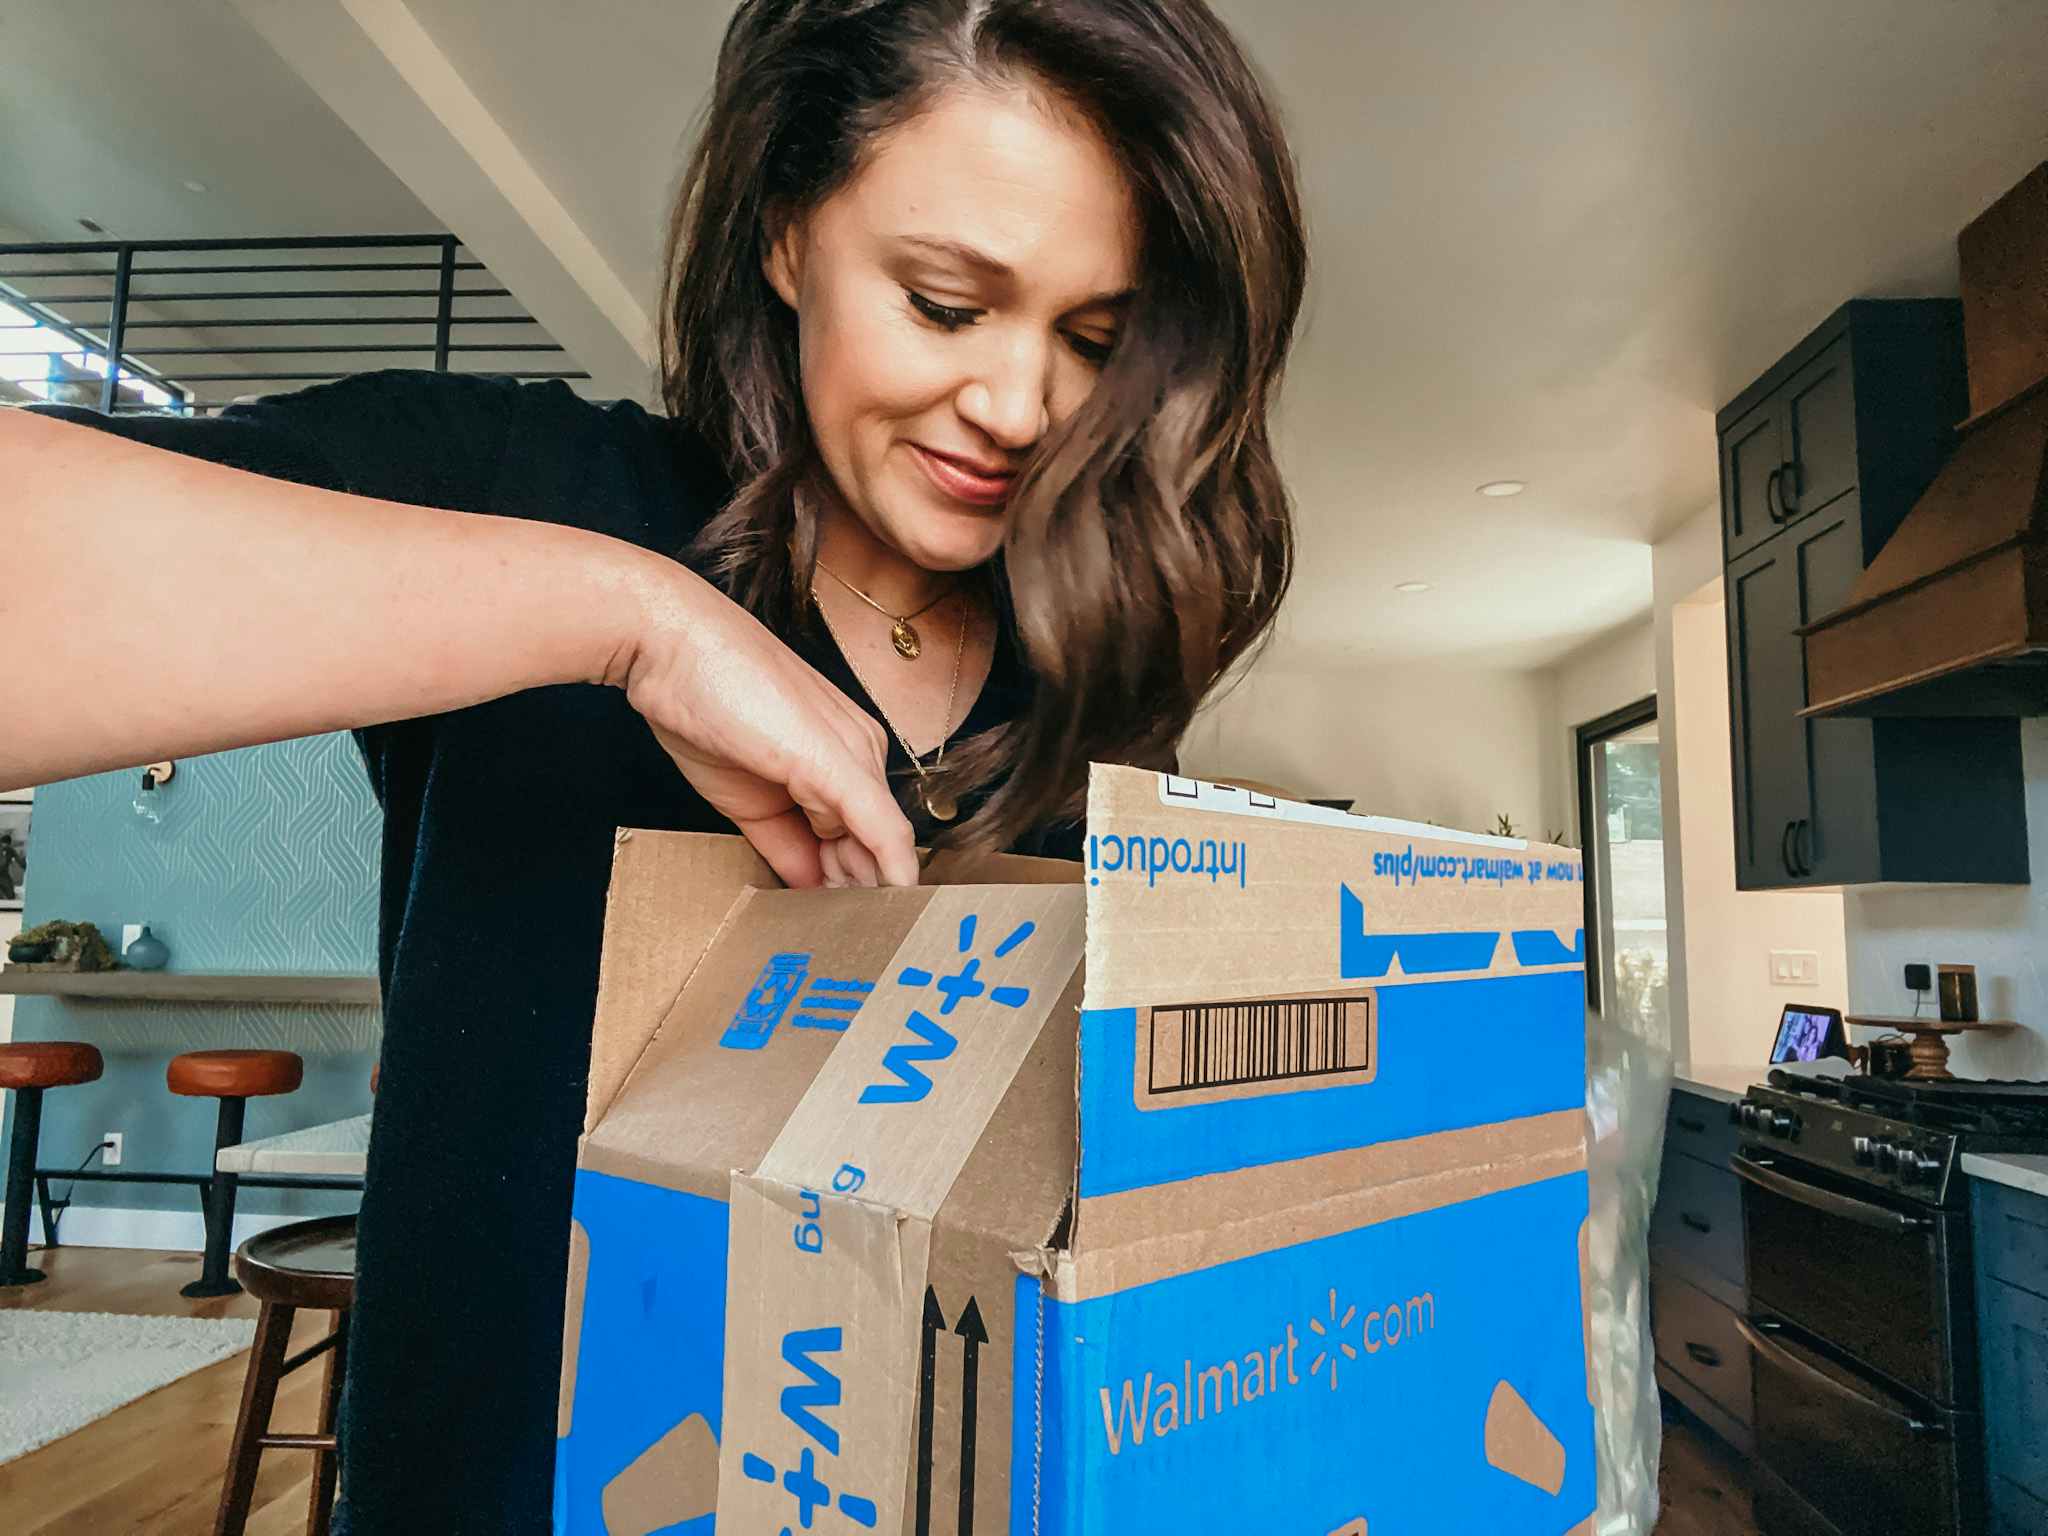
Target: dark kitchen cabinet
1821, 460
2012, 1333
1698, 1275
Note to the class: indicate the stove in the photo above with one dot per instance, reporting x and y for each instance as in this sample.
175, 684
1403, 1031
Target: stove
1901, 1136
1861, 1320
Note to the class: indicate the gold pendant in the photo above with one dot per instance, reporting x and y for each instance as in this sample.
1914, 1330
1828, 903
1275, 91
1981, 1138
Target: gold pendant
909, 644
942, 805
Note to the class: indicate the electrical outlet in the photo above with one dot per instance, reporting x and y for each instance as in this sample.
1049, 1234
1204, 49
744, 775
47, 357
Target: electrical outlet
112, 1143
1795, 968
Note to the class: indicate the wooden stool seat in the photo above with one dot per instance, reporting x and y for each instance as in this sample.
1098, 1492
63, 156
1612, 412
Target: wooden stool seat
306, 1264
235, 1074
48, 1063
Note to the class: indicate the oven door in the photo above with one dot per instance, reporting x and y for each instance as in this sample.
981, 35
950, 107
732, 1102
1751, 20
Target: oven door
1872, 1278
1848, 1451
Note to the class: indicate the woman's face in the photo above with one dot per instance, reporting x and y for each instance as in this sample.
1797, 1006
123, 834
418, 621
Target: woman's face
955, 299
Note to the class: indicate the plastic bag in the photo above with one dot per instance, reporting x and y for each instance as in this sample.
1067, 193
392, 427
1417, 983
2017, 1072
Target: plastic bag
1628, 1088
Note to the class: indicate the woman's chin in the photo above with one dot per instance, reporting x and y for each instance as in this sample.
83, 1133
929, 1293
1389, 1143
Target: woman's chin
957, 542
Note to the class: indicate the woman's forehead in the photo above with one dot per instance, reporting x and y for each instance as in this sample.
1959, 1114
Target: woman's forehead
1034, 191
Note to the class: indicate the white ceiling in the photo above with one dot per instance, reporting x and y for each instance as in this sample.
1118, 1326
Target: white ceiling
1548, 240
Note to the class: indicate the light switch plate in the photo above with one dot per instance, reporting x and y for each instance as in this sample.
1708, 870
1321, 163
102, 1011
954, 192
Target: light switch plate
1795, 968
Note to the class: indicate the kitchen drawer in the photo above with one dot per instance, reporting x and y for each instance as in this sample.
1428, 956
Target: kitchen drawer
2014, 1511
2013, 1334
2012, 1235
1697, 1222
1697, 1338
1700, 1127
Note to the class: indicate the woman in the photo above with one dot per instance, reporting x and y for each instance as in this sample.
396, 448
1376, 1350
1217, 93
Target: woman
973, 315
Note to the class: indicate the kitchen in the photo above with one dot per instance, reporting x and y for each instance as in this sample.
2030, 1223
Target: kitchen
1849, 1252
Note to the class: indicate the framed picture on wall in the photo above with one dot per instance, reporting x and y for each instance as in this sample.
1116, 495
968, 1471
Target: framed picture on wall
13, 852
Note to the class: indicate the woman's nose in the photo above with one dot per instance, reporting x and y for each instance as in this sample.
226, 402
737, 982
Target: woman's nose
1008, 398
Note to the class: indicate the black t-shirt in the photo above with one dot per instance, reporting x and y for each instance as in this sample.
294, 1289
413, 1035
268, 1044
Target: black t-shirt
498, 823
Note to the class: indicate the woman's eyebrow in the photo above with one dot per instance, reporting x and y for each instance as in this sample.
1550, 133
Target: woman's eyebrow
995, 268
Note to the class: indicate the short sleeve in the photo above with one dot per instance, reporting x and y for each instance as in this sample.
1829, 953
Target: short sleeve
430, 439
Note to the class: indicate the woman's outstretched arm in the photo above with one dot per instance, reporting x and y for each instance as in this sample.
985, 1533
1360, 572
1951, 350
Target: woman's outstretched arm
157, 605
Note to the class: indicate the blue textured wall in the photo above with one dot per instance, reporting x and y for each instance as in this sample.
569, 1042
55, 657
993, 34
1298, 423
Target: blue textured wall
265, 859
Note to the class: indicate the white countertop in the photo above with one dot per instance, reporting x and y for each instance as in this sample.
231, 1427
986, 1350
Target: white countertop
339, 1148
2022, 1170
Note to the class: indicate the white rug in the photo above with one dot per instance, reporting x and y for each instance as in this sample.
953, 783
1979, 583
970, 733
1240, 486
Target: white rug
59, 1371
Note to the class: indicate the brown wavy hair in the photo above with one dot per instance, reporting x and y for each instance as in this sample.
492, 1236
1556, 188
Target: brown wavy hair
1150, 538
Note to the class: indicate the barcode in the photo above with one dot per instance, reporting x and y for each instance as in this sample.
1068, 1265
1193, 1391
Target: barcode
1218, 1045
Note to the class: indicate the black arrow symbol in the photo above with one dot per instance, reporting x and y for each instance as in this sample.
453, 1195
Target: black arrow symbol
973, 1335
934, 1320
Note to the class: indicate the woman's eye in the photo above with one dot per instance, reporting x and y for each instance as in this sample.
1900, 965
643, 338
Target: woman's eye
1094, 353
945, 316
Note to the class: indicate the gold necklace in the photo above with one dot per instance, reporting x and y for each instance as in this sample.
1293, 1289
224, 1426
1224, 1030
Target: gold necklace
941, 805
909, 643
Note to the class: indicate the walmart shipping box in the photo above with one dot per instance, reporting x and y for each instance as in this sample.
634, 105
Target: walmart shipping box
1240, 1188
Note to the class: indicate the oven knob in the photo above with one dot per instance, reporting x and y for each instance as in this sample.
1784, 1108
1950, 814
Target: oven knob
1918, 1167
1885, 1156
1783, 1123
1746, 1113
1861, 1150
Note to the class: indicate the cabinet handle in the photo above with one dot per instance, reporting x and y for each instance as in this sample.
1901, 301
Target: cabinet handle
1802, 839
1785, 848
1705, 1354
1699, 1226
1792, 481
1687, 1123
1771, 502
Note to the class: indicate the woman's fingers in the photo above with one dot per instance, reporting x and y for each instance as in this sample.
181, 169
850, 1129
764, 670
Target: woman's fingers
790, 847
858, 863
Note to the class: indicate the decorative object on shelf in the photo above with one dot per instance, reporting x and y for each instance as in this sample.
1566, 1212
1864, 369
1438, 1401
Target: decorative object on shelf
1930, 1047
147, 953
62, 946
14, 816
1888, 1056
1958, 988
147, 803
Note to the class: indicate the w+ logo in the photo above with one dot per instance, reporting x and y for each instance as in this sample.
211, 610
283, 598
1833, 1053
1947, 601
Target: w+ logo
931, 1040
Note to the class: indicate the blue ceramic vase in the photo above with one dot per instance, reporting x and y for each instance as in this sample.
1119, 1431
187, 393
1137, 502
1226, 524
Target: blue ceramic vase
147, 953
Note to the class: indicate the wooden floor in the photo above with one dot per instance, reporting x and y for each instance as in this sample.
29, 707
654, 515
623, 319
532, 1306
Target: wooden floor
155, 1466
1704, 1490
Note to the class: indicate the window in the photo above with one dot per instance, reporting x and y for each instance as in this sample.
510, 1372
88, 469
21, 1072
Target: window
1621, 829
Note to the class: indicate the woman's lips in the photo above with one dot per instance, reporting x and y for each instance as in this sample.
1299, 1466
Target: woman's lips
963, 482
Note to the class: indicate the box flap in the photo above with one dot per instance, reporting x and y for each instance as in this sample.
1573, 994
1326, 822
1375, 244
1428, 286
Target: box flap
669, 892
831, 1238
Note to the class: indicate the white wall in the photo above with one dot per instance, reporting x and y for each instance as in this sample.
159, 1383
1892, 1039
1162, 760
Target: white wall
1732, 1002
2002, 930
1455, 745
1606, 673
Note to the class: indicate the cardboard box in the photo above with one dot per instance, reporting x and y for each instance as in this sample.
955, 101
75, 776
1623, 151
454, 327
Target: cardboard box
1240, 1188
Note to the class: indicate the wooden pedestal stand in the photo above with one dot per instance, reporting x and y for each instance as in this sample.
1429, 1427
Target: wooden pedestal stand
1930, 1048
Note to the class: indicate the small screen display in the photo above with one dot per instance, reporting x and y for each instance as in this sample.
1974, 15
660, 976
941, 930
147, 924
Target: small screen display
1805, 1034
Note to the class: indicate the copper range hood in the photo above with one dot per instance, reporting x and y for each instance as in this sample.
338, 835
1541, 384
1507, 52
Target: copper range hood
1951, 617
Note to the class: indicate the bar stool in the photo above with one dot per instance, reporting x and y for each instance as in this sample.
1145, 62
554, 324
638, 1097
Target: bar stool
233, 1077
309, 1264
29, 1067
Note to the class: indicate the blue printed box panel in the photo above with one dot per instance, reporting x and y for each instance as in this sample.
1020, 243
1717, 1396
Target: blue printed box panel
1448, 1055
1423, 1377
645, 1419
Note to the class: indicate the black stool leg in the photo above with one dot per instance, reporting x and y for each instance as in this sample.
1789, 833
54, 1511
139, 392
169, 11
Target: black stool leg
218, 1202
21, 1169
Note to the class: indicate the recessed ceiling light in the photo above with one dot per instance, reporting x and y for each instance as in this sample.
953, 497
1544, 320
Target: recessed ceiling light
1503, 488
1411, 586
195, 186
92, 228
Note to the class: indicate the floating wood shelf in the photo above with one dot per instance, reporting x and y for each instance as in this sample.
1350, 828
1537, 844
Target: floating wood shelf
193, 986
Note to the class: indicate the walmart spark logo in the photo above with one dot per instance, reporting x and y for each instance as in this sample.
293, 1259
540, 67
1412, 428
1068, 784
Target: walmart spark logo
931, 1041
1334, 1333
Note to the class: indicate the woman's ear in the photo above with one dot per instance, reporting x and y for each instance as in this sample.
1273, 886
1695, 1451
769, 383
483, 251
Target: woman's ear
782, 256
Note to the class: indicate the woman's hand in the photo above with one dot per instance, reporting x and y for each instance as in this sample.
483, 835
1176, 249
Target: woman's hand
774, 747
